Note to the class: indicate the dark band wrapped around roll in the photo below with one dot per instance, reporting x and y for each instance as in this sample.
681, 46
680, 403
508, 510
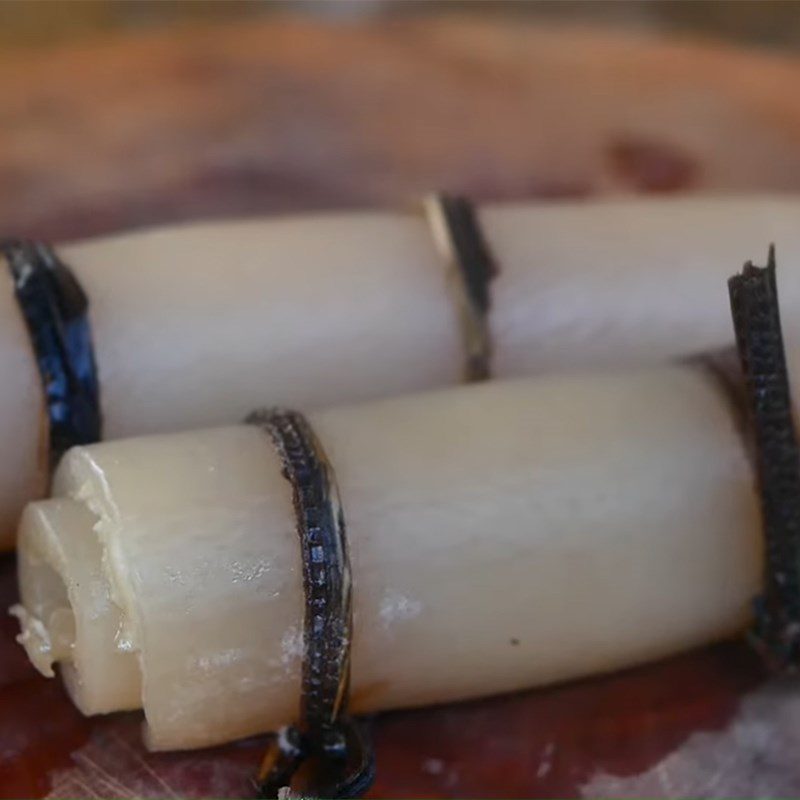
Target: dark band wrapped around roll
461, 244
756, 319
341, 756
55, 310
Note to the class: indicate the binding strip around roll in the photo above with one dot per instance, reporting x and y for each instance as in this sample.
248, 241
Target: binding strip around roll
342, 762
463, 248
759, 340
55, 310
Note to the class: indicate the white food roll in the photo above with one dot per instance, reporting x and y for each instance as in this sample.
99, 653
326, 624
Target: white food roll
197, 324
502, 536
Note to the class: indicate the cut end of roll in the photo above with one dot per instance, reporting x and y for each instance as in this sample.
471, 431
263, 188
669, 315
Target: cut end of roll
45, 644
66, 615
47, 621
176, 592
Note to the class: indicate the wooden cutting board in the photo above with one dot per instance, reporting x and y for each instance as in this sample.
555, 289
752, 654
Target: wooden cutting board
291, 116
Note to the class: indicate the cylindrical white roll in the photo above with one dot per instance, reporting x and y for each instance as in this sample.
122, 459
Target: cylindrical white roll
501, 536
195, 325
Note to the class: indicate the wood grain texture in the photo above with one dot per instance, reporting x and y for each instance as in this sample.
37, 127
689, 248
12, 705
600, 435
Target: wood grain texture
287, 116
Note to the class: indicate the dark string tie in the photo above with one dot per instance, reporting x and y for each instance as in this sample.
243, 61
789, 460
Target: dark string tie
55, 310
759, 340
334, 753
471, 268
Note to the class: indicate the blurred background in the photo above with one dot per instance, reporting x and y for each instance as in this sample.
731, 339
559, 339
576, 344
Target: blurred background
117, 115
763, 22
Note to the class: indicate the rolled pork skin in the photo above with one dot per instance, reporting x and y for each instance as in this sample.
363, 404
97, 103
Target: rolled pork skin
197, 324
502, 536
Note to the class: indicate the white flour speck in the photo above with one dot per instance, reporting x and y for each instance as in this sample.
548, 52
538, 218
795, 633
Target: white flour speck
396, 607
292, 648
546, 761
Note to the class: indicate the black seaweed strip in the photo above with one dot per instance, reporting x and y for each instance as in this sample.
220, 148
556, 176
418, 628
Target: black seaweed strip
473, 254
347, 763
55, 310
756, 318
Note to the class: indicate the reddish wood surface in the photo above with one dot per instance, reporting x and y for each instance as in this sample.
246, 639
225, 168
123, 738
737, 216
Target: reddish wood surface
288, 116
